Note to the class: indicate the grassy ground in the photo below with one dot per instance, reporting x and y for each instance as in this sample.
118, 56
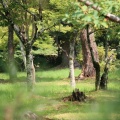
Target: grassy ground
46, 98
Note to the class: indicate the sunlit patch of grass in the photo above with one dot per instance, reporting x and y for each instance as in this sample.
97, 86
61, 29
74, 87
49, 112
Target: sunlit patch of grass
4, 76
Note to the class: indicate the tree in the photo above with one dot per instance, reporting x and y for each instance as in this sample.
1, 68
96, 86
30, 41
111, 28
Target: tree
112, 18
11, 62
88, 69
85, 16
21, 33
71, 58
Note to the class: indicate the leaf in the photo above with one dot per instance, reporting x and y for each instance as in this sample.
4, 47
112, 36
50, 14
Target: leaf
84, 8
96, 22
67, 15
64, 19
104, 24
87, 18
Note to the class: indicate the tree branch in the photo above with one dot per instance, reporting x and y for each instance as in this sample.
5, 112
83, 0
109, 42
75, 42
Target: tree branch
109, 16
38, 33
101, 29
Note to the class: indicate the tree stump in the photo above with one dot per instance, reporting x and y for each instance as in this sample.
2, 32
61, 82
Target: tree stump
104, 79
76, 96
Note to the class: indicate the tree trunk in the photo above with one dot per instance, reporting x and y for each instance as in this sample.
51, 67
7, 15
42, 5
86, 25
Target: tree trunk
23, 53
88, 69
94, 61
30, 70
106, 48
65, 51
12, 67
71, 63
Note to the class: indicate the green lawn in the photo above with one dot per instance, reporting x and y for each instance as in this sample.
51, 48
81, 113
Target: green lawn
46, 98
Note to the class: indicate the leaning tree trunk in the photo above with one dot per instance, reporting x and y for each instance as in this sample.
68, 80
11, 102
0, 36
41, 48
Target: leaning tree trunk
12, 67
71, 64
94, 61
88, 69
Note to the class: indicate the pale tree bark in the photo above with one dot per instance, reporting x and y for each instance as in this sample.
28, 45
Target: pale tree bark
30, 70
71, 63
23, 54
109, 16
11, 61
88, 69
29, 65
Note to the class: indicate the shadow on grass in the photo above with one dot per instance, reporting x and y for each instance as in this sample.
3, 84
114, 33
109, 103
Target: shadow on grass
47, 79
19, 79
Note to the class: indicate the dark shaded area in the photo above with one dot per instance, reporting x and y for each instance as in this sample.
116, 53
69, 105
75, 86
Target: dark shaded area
20, 79
46, 61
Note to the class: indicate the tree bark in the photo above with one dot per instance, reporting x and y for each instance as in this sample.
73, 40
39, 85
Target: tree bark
71, 63
65, 50
30, 69
88, 69
94, 61
11, 61
23, 53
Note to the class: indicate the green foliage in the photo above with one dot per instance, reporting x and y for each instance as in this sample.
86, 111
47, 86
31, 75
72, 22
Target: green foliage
44, 46
80, 57
80, 15
3, 38
101, 53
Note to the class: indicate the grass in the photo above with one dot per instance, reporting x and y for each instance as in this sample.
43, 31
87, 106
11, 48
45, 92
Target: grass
46, 98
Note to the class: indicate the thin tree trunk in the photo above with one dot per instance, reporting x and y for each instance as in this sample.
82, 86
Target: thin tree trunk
65, 51
106, 48
12, 67
23, 53
30, 70
71, 63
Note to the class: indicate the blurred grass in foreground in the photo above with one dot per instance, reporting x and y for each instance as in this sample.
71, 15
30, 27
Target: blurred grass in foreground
46, 99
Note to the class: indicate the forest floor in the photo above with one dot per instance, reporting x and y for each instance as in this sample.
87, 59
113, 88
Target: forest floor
46, 99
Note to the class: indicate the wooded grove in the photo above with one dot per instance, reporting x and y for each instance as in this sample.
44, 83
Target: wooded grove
53, 35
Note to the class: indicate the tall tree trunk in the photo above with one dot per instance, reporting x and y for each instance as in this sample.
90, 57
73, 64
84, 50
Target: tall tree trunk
94, 61
71, 63
88, 69
30, 70
12, 67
